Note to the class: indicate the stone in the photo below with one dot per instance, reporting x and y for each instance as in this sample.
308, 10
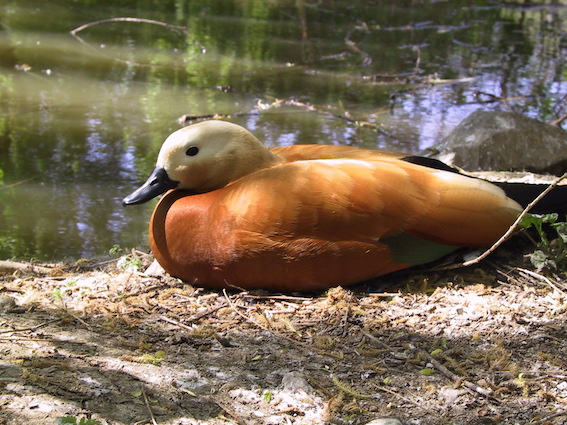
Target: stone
7, 304
499, 141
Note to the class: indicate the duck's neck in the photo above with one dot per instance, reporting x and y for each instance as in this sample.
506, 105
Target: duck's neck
257, 158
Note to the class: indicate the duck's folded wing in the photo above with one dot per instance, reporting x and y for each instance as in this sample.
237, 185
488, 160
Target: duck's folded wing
350, 199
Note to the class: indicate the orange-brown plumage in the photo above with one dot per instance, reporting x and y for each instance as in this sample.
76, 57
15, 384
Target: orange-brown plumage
304, 218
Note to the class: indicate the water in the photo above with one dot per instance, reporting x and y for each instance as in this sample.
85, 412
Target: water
82, 119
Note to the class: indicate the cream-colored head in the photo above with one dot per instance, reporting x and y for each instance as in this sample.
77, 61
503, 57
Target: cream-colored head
209, 155
203, 157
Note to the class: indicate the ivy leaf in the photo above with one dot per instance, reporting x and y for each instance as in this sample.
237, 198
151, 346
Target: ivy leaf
561, 229
540, 260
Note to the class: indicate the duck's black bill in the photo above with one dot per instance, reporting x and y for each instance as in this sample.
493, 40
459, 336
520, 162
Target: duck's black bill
158, 183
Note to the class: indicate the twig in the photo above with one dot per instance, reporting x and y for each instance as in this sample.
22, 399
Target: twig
60, 341
345, 388
176, 323
89, 327
264, 328
228, 411
559, 120
417, 50
263, 107
401, 397
312, 108
276, 297
12, 266
187, 118
353, 46
248, 319
206, 313
32, 328
377, 341
127, 19
16, 183
175, 28
541, 277
383, 294
192, 319
509, 232
147, 401
454, 377
547, 418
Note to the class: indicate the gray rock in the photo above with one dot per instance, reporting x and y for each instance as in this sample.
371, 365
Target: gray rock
295, 381
504, 141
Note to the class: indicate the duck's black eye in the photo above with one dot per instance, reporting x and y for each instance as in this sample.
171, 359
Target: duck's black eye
192, 151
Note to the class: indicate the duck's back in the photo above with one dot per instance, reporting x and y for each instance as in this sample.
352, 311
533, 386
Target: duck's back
305, 224
314, 152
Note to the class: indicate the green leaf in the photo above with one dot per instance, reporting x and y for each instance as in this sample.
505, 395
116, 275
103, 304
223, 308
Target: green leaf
530, 220
550, 218
427, 371
85, 421
70, 420
561, 229
540, 260
58, 295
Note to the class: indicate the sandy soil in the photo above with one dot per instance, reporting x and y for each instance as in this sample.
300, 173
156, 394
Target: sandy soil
482, 345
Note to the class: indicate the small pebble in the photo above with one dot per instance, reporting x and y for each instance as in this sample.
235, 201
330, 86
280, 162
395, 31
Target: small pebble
385, 421
7, 304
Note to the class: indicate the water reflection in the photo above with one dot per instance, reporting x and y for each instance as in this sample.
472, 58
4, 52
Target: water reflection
81, 122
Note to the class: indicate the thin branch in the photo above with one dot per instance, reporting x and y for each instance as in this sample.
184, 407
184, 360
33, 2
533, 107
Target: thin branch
541, 277
547, 418
454, 377
265, 328
408, 400
559, 120
127, 19
230, 412
12, 266
182, 30
147, 402
377, 341
263, 107
511, 230
8, 186
31, 328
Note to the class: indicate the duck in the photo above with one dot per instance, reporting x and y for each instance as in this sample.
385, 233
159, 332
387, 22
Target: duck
306, 218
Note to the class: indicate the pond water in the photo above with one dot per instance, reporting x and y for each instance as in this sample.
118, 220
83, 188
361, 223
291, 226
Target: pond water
83, 114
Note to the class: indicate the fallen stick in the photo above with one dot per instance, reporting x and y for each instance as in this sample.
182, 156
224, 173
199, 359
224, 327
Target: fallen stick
454, 377
509, 232
7, 266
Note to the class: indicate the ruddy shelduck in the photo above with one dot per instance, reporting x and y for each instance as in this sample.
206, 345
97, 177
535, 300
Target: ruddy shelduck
307, 217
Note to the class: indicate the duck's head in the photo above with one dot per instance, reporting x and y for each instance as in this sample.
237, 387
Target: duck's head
203, 157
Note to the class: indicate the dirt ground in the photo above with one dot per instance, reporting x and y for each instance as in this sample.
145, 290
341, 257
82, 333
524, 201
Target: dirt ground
481, 345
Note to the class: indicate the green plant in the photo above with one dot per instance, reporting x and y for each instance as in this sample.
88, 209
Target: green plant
549, 254
116, 250
57, 294
72, 420
130, 263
